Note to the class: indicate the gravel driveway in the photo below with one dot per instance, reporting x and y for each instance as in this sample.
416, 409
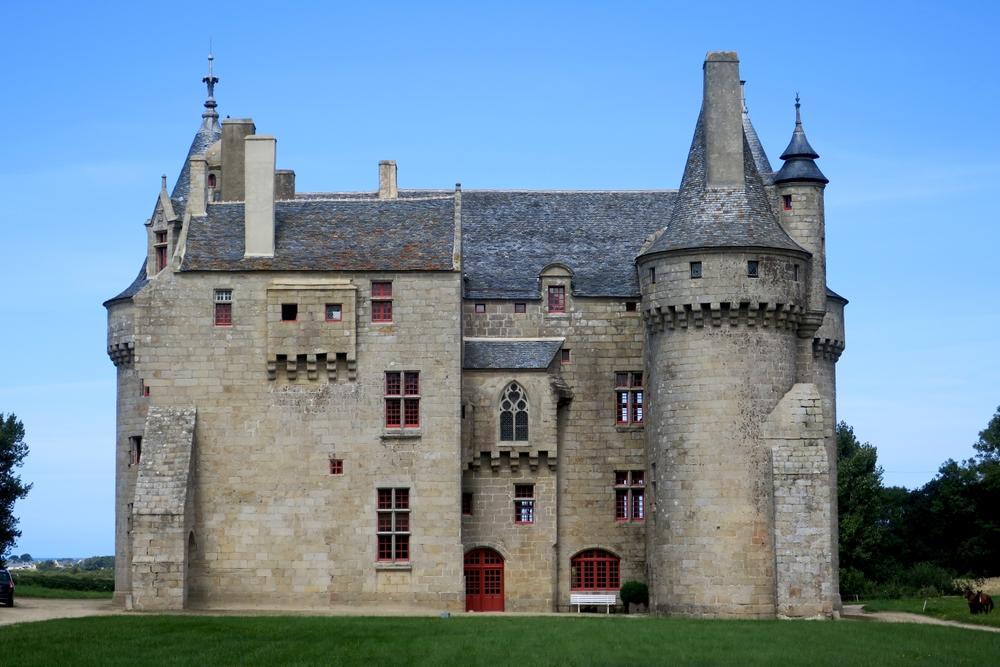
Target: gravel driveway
41, 609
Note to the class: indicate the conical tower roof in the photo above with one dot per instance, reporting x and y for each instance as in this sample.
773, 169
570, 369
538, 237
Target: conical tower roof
799, 156
209, 132
717, 217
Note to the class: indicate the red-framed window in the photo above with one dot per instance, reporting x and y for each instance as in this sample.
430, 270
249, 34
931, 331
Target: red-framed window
466, 503
630, 495
786, 202
382, 301
393, 524
160, 245
630, 398
557, 298
520, 307
595, 570
514, 414
524, 503
223, 307
333, 312
402, 399
336, 466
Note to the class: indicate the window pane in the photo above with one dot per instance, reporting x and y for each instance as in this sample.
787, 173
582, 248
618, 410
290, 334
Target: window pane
392, 412
637, 409
333, 312
622, 411
524, 490
382, 290
638, 504
557, 299
402, 499
384, 522
385, 547
223, 314
638, 477
381, 311
636, 379
621, 504
621, 379
621, 477
506, 426
521, 426
384, 498
402, 547
412, 383
392, 384
411, 412
402, 522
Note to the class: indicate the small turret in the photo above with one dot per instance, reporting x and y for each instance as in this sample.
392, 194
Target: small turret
799, 156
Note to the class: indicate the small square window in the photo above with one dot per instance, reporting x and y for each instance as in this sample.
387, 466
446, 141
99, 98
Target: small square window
631, 306
752, 268
289, 312
480, 307
565, 356
786, 202
696, 269
520, 307
466, 503
336, 466
334, 312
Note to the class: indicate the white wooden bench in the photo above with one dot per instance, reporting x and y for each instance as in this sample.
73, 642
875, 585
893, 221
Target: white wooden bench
581, 599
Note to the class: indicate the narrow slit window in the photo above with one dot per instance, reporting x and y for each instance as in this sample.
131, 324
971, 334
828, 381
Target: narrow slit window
696, 269
652, 274
565, 357
752, 268
160, 245
466, 503
786, 202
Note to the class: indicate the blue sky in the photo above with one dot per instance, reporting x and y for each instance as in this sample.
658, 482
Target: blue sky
900, 100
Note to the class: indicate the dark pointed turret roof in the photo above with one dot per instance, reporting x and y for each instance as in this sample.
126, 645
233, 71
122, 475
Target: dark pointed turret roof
706, 217
209, 132
799, 156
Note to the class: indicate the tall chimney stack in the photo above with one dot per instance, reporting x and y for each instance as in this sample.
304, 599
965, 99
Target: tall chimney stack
259, 210
234, 131
722, 121
387, 179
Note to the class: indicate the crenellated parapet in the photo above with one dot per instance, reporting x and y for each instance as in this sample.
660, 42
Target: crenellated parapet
746, 314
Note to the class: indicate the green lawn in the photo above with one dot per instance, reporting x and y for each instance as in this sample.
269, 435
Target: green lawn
469, 641
952, 608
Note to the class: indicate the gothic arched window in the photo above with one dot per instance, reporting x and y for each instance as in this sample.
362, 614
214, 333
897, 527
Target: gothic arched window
514, 414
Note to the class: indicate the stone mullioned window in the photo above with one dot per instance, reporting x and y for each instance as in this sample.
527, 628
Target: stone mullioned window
402, 399
629, 398
393, 524
630, 495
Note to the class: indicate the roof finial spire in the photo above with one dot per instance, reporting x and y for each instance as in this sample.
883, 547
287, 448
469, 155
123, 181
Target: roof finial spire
798, 114
210, 115
743, 96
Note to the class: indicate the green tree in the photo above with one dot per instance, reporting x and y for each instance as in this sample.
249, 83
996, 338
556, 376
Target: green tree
859, 499
25, 558
13, 449
988, 446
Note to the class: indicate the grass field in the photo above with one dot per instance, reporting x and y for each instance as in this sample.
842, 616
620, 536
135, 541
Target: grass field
953, 608
470, 641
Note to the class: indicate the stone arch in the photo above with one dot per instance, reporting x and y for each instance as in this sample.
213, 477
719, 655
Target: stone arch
513, 418
595, 569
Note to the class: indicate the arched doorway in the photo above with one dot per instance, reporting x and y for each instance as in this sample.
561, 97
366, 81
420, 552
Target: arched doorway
483, 580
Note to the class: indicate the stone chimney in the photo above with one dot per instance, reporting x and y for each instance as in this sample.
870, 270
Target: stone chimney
234, 131
259, 151
387, 179
722, 121
198, 191
284, 184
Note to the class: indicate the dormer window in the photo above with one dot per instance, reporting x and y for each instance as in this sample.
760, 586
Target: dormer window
557, 299
160, 245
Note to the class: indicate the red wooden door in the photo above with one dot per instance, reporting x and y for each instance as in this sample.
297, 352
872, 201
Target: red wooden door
483, 580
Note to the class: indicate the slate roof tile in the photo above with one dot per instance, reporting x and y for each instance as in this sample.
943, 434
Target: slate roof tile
510, 354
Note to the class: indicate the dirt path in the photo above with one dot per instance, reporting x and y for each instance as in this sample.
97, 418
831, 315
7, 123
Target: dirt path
856, 611
41, 609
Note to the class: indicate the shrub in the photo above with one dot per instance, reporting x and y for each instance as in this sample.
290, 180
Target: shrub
634, 592
71, 582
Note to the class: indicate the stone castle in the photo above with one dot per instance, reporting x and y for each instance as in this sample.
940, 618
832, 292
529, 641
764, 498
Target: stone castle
478, 399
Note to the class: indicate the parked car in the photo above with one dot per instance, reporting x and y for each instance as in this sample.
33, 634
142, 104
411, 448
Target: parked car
6, 588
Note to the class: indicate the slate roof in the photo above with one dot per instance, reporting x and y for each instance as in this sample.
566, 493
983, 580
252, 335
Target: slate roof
721, 217
330, 235
508, 237
130, 291
509, 354
207, 134
757, 151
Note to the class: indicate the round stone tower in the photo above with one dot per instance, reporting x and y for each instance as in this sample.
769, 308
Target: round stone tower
724, 294
799, 189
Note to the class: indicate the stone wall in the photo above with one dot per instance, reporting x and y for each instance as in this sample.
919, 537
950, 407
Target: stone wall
271, 524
